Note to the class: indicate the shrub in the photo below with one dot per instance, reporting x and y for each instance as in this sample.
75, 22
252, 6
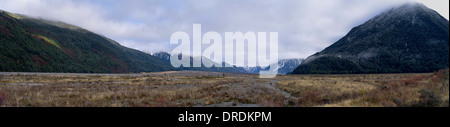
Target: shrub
429, 98
3, 98
446, 103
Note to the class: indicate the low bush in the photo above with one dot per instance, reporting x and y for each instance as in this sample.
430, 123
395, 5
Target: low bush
429, 98
3, 98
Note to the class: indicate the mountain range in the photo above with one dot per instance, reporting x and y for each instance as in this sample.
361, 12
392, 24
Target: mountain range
407, 39
166, 57
285, 66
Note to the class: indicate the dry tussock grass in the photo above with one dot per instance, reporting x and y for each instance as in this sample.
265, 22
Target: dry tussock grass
174, 89
135, 91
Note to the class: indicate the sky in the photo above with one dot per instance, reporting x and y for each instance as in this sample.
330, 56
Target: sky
304, 26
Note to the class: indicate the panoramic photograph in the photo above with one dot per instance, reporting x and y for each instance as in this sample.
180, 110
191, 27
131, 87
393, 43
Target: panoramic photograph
224, 53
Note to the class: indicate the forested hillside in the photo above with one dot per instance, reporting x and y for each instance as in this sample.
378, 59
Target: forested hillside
36, 45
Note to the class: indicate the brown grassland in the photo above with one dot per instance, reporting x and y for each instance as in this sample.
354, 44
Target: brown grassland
211, 89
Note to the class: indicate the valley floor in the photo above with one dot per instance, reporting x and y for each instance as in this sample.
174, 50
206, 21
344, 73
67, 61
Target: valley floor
212, 89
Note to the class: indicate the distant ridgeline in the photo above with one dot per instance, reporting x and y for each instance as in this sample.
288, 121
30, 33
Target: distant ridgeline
408, 39
285, 66
166, 57
36, 45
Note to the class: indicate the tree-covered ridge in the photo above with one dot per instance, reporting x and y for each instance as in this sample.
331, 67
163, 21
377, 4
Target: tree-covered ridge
409, 39
34, 45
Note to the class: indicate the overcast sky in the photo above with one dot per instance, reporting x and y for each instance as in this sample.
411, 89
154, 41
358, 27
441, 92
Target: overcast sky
305, 26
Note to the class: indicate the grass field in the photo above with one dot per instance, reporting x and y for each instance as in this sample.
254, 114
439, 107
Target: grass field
211, 89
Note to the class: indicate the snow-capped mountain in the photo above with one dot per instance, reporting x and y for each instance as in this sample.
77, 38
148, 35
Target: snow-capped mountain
285, 66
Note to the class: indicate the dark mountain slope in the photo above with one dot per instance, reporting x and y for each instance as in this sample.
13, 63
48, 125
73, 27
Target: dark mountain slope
407, 39
35, 45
